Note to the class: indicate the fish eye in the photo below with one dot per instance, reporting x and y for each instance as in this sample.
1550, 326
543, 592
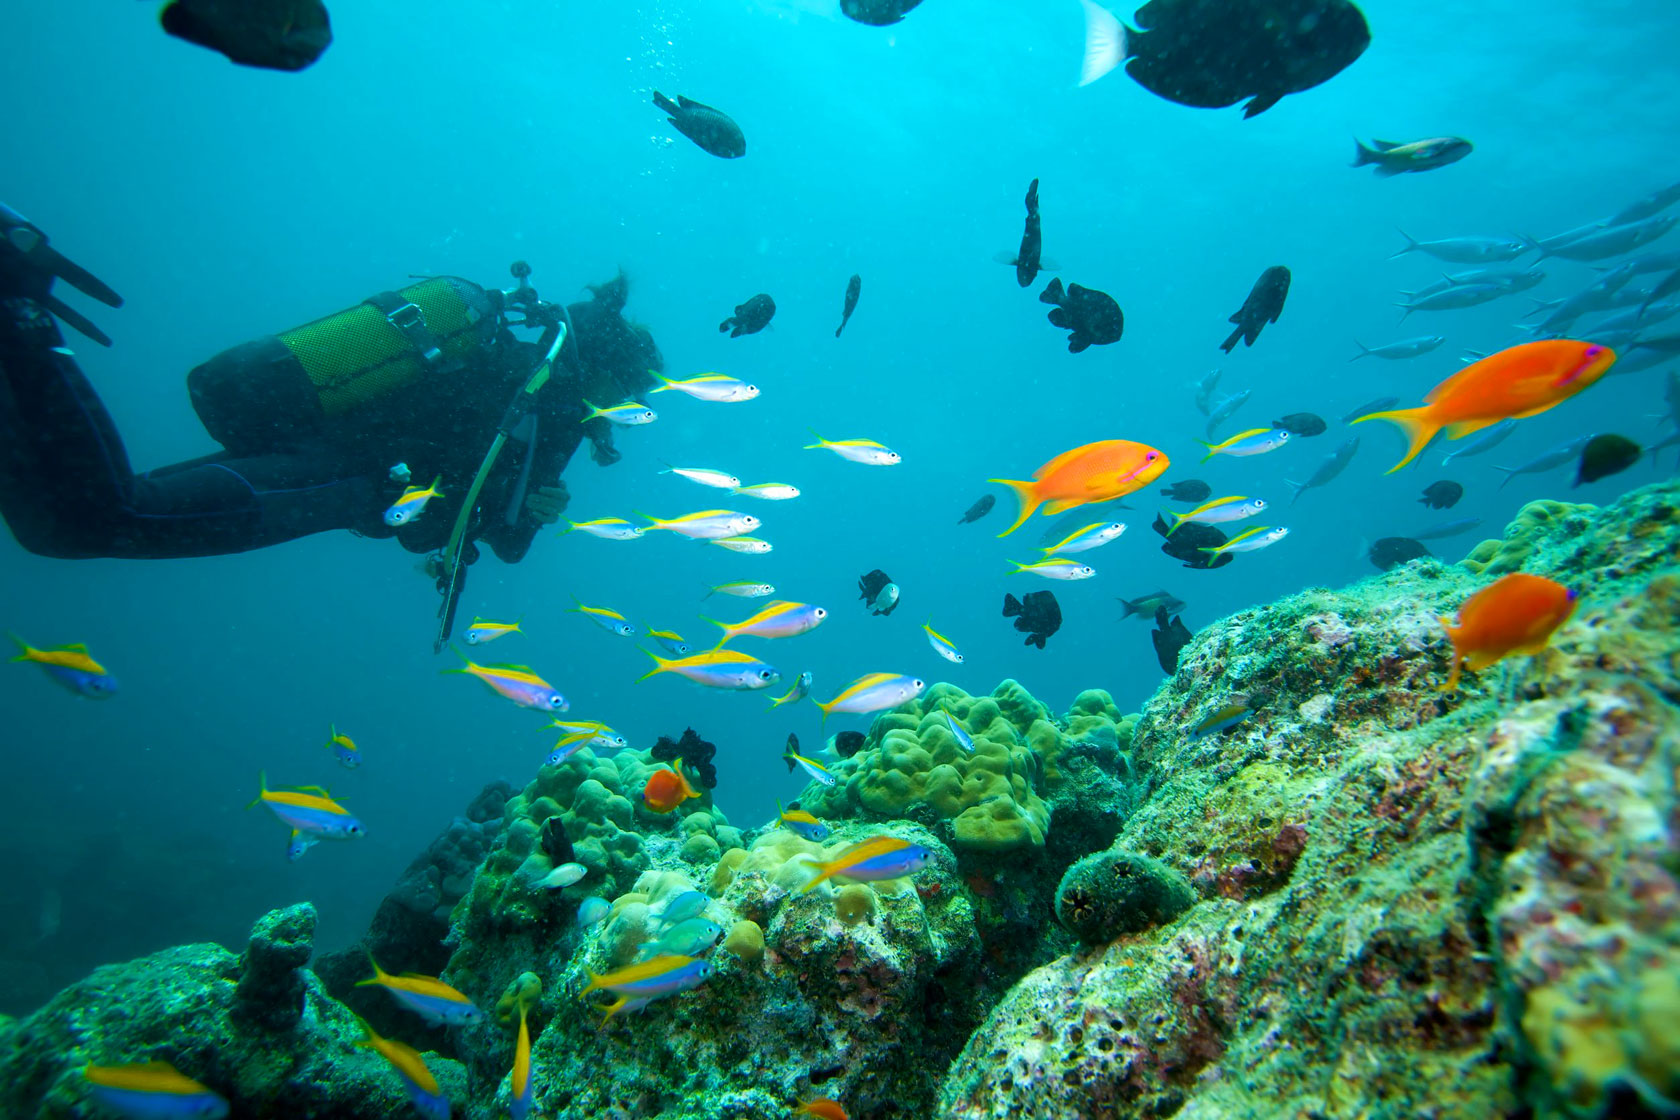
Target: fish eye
1594, 351
764, 674
820, 613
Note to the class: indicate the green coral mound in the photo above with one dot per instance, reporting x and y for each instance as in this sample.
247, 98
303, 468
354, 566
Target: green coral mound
1409, 902
995, 799
1111, 893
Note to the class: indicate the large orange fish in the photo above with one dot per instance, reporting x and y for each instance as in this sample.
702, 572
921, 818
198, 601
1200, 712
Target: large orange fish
1523, 381
1096, 472
1515, 614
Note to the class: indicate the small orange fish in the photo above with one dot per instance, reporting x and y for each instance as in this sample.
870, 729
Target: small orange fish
1096, 472
1522, 381
1515, 614
667, 789
823, 1108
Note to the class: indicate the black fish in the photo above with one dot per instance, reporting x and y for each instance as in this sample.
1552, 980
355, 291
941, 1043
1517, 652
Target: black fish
1145, 605
1093, 316
877, 13
880, 592
848, 743
1169, 638
750, 317
1190, 490
1036, 614
556, 845
1187, 542
1390, 551
1301, 424
1442, 495
979, 509
791, 750
1027, 261
1263, 305
853, 287
1606, 455
711, 130
1212, 53
272, 34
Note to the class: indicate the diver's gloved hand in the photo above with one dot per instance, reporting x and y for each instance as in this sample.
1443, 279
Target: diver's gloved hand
28, 266
603, 451
547, 503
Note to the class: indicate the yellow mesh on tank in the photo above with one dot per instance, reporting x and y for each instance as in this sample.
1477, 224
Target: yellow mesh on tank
357, 356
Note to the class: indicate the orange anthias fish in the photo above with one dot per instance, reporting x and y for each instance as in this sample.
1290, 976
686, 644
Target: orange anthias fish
1096, 472
1523, 381
823, 1108
667, 789
1515, 614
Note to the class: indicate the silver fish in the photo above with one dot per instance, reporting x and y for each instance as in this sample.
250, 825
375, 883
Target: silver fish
1653, 203
1640, 357
1569, 237
1447, 529
1455, 298
1556, 457
1611, 242
1378, 405
1637, 318
1331, 466
1514, 280
1204, 391
1465, 250
1490, 438
1223, 409
1670, 440
1395, 351
1655, 262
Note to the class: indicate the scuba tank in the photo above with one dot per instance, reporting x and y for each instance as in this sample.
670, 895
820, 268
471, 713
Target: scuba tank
329, 380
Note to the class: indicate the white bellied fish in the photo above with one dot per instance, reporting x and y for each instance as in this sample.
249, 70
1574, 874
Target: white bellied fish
941, 644
1252, 541
707, 524
716, 387
1255, 441
1091, 536
412, 503
752, 545
607, 528
604, 617
874, 692
769, 491
1219, 511
776, 620
1056, 568
628, 414
865, 451
716, 479
726, 669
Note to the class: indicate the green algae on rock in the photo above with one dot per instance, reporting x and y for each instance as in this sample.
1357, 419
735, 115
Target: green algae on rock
1408, 905
1116, 892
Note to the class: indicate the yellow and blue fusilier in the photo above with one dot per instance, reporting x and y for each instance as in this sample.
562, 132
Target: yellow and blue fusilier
639, 984
518, 683
605, 617
958, 731
1261, 536
70, 667
873, 692
423, 1089
1057, 567
726, 669
818, 772
706, 524
485, 630
718, 388
1222, 718
671, 641
344, 748
428, 997
628, 414
1091, 536
310, 812
1219, 511
775, 620
412, 503
801, 689
607, 528
871, 860
152, 1091
801, 823
1255, 441
769, 491
941, 644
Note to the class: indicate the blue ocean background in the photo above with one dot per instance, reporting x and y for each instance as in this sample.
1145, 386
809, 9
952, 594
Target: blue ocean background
227, 203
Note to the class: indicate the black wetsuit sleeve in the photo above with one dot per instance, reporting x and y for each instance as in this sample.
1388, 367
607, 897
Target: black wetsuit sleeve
67, 489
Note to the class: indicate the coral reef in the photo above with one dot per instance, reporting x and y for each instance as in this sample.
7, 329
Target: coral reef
1110, 893
1409, 902
257, 1029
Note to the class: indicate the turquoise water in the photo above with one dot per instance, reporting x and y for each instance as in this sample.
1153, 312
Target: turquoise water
227, 203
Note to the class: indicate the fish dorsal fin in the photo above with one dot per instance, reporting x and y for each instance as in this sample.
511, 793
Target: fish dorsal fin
1383, 145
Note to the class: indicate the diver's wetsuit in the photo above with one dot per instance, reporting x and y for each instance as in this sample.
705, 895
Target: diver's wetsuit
67, 489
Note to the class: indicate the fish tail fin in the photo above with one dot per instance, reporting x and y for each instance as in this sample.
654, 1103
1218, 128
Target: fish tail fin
821, 442
1178, 520
23, 647
1211, 450
665, 104
1415, 423
660, 665
1364, 351
262, 788
1299, 486
379, 974
824, 872
1011, 605
1535, 245
728, 631
1025, 494
666, 385
1410, 246
1362, 155
1126, 609
1510, 473
653, 522
1105, 43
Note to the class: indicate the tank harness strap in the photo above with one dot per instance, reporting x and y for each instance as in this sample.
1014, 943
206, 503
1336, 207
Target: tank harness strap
410, 322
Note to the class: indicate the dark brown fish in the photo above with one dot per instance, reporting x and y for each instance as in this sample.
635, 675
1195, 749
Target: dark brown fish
854, 286
750, 317
1606, 455
1169, 638
270, 34
1093, 316
1036, 614
1391, 551
711, 129
1187, 542
1442, 495
1263, 305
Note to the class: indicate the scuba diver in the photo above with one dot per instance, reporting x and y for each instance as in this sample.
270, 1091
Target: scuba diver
324, 426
